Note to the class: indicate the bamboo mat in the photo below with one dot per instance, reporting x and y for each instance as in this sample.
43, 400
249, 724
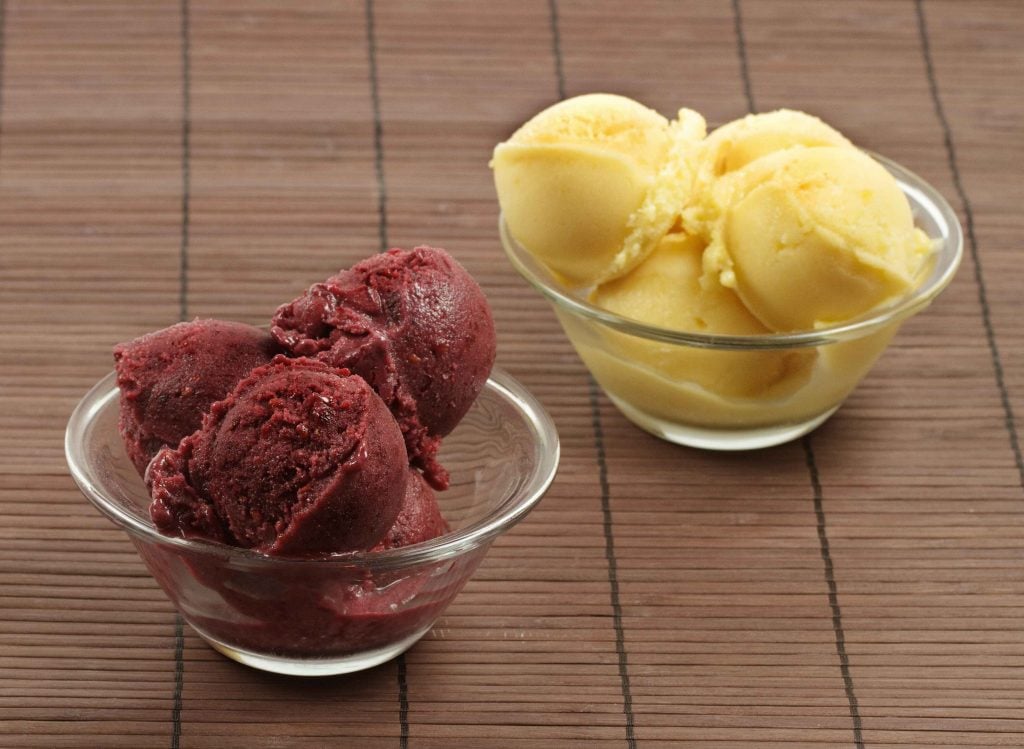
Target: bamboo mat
861, 587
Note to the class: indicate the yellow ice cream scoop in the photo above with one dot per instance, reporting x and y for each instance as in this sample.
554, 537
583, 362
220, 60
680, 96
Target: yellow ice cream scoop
735, 144
668, 290
814, 236
584, 185
738, 143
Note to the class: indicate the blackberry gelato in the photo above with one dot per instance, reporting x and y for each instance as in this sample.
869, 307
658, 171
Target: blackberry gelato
418, 520
300, 459
306, 440
170, 378
415, 325
317, 438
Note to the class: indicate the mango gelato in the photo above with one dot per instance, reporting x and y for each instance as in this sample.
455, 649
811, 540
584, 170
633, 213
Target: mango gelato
773, 224
736, 144
592, 183
668, 290
810, 237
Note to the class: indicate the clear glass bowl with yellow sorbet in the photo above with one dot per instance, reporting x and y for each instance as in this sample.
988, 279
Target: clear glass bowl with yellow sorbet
732, 289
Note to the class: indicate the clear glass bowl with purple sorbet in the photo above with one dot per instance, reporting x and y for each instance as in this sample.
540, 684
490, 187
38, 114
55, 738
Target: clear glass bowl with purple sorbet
342, 612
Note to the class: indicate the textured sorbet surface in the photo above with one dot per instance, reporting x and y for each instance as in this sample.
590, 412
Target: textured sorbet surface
299, 459
170, 378
321, 435
415, 325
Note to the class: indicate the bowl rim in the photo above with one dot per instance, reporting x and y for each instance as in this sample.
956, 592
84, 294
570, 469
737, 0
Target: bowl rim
922, 196
547, 453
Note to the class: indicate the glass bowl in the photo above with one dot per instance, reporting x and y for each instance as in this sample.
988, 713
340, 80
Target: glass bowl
343, 612
683, 386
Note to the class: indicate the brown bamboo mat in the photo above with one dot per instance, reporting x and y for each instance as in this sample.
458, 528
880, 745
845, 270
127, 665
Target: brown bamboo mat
863, 587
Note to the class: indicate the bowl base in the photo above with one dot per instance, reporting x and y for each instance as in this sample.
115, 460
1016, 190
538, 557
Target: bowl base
719, 439
331, 666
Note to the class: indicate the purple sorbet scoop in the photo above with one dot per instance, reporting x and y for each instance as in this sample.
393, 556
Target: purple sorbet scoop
169, 378
300, 459
415, 325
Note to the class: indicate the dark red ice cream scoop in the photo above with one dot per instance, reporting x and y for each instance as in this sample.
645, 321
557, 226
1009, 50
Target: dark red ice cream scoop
415, 325
419, 520
169, 378
299, 459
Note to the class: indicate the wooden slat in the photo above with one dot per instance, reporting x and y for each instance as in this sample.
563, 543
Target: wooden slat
89, 196
874, 452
